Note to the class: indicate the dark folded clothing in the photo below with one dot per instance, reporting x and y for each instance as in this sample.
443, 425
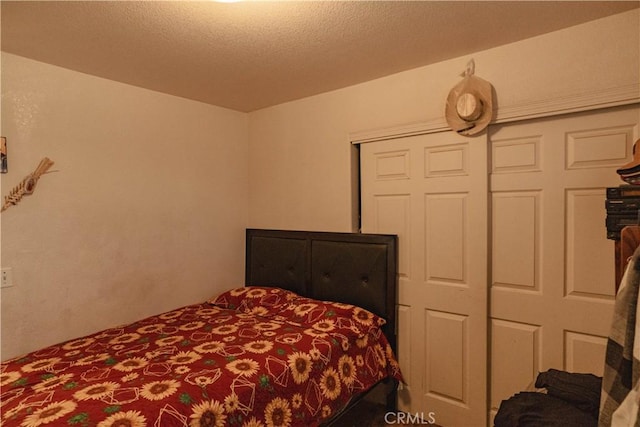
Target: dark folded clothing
571, 399
532, 409
580, 390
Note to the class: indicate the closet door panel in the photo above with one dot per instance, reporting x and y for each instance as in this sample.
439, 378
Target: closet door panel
391, 212
446, 338
585, 218
585, 352
445, 236
431, 190
523, 342
515, 218
549, 178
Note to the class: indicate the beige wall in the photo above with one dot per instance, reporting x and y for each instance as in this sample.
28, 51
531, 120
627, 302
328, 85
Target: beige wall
299, 157
146, 210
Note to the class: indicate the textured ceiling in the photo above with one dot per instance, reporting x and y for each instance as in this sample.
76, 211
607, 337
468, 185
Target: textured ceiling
250, 55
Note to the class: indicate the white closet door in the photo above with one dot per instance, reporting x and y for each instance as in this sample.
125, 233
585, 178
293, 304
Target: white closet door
432, 191
552, 268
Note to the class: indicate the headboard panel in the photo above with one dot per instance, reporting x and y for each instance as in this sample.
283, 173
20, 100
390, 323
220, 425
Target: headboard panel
362, 266
275, 260
353, 268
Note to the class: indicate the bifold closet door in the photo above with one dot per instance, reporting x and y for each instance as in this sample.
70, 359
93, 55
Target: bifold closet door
552, 268
432, 191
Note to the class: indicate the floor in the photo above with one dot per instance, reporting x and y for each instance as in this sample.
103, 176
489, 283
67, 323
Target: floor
368, 414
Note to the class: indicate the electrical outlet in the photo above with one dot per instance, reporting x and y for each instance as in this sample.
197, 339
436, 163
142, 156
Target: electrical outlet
6, 278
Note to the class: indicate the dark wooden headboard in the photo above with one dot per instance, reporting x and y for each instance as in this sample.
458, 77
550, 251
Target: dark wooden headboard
353, 268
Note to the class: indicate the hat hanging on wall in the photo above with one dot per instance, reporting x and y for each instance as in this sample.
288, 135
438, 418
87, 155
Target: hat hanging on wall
469, 104
630, 172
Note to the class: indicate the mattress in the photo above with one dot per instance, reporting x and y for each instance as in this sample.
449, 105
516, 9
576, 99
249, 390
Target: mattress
252, 356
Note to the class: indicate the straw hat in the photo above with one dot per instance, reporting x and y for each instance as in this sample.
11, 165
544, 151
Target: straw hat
469, 104
630, 172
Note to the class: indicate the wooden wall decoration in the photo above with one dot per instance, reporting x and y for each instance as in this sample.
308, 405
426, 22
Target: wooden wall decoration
27, 185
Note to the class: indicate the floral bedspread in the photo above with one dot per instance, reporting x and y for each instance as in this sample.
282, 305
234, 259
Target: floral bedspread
251, 357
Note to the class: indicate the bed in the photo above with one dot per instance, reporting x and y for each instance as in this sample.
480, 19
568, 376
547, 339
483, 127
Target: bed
311, 332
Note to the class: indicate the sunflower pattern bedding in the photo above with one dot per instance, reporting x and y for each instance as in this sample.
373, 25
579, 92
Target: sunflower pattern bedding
253, 356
